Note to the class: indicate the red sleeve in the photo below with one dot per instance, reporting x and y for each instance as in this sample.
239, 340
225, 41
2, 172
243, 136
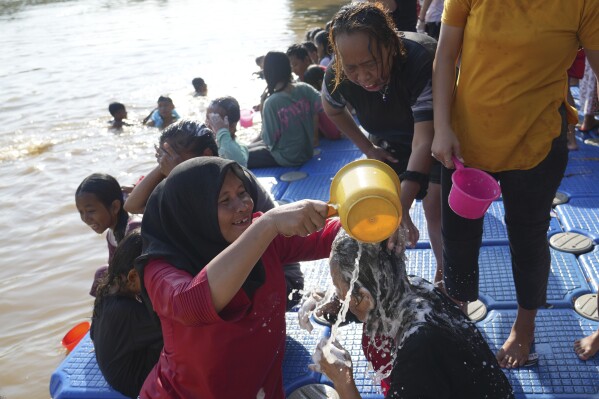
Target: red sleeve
315, 246
176, 295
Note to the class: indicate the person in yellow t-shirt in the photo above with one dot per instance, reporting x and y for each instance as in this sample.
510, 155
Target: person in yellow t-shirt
507, 114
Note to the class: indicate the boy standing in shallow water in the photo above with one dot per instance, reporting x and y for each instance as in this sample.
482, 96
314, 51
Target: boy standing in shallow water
163, 115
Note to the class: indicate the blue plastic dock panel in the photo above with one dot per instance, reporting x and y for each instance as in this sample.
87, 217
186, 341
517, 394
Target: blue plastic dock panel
311, 187
336, 145
581, 215
496, 284
329, 162
559, 373
590, 264
497, 291
316, 275
581, 185
78, 376
494, 231
350, 337
299, 347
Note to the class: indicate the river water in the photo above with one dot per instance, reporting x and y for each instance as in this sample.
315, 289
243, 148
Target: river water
61, 64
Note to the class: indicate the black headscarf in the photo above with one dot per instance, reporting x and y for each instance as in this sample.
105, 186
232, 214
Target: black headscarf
180, 223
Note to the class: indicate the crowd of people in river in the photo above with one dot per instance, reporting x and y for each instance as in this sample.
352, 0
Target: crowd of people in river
196, 290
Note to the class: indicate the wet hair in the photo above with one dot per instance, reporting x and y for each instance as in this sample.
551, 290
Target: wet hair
189, 135
400, 304
230, 105
277, 68
322, 38
107, 189
113, 108
314, 76
368, 18
375, 262
312, 32
298, 51
162, 99
259, 60
198, 84
120, 265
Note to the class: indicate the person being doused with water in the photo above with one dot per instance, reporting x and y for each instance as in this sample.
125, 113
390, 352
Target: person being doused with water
212, 269
222, 116
433, 349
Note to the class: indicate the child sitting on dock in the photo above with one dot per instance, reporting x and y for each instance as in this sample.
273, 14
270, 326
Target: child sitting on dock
222, 116
99, 200
127, 340
213, 272
433, 349
163, 115
119, 113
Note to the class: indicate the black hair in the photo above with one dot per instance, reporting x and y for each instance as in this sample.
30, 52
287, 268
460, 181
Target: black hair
189, 135
298, 50
314, 76
230, 105
120, 265
198, 83
113, 108
277, 68
368, 18
311, 33
165, 99
309, 46
322, 38
107, 189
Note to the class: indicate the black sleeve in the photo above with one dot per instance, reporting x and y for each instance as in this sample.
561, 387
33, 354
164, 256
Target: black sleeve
332, 94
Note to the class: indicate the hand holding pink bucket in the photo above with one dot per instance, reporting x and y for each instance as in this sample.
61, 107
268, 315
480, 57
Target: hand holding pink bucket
472, 191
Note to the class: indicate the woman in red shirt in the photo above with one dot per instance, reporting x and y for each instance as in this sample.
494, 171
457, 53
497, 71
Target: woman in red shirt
213, 273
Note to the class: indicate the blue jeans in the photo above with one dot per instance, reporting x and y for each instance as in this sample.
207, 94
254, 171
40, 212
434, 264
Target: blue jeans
527, 199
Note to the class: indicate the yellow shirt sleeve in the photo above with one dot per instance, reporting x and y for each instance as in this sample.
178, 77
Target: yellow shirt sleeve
588, 33
455, 12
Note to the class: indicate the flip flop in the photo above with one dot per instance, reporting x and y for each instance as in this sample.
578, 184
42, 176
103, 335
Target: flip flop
533, 357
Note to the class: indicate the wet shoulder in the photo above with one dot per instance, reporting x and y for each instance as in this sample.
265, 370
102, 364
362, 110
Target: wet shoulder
419, 44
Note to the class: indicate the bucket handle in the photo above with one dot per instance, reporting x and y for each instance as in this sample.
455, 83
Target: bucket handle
457, 163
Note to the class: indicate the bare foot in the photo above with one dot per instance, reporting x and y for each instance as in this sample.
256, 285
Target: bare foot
587, 347
588, 123
514, 352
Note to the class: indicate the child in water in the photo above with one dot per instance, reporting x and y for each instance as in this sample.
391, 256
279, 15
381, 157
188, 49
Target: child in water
163, 115
119, 113
200, 87
127, 340
99, 200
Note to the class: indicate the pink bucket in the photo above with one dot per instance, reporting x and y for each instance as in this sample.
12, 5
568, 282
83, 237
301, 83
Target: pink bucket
472, 191
246, 117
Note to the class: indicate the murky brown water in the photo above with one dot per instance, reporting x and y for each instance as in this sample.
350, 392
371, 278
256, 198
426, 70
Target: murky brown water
61, 64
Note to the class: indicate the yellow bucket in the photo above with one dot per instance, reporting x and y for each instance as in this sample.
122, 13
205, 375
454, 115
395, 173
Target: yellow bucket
365, 195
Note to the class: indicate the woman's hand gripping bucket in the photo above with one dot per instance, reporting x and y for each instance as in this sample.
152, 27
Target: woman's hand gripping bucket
365, 195
472, 191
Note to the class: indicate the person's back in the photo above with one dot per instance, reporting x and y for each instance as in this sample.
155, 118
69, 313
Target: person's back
288, 123
127, 340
